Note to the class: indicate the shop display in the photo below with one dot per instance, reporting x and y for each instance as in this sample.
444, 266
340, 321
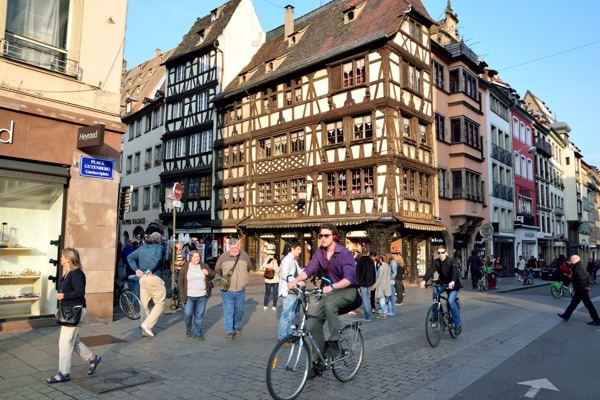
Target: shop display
3, 242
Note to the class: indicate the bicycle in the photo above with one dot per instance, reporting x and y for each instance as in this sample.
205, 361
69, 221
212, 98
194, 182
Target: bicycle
439, 318
519, 276
528, 276
128, 301
291, 359
558, 288
483, 283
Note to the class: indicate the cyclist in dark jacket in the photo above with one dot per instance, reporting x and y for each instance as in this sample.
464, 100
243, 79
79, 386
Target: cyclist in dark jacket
448, 275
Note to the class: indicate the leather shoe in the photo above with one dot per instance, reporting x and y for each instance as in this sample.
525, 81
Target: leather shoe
595, 323
562, 316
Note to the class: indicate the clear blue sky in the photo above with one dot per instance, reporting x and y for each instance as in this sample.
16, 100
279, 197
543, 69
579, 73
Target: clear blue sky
548, 47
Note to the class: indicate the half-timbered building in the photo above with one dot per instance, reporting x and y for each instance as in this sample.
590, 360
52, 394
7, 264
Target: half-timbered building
331, 121
210, 54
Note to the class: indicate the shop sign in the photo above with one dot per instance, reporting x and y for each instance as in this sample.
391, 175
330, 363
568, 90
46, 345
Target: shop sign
288, 215
89, 136
6, 134
96, 168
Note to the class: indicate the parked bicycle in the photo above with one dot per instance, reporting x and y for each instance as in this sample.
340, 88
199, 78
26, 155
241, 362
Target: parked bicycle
557, 288
127, 300
439, 317
291, 359
483, 283
528, 276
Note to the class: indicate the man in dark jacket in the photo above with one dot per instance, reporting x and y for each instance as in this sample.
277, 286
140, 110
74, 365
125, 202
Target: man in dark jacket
448, 275
475, 265
365, 275
580, 282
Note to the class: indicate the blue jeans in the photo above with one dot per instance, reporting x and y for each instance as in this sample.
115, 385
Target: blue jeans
271, 288
193, 309
288, 316
365, 294
452, 295
392, 301
233, 309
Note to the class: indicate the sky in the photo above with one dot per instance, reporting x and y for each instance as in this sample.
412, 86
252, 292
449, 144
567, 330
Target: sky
545, 46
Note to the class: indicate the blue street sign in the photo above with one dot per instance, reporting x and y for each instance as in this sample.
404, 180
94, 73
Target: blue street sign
96, 168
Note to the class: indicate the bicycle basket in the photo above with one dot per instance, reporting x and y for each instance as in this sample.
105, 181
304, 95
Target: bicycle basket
555, 284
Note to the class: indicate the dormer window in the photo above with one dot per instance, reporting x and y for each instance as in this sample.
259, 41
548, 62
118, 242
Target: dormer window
214, 15
351, 13
270, 67
201, 37
349, 16
242, 78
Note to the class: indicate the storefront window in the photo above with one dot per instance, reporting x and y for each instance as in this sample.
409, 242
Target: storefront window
31, 216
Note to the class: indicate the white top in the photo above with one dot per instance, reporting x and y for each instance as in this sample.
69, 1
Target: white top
196, 281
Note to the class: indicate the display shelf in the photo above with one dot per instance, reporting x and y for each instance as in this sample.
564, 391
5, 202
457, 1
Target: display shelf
19, 300
18, 282
20, 278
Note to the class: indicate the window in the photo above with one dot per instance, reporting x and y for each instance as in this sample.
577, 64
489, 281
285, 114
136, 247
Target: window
206, 142
148, 122
336, 184
335, 133
157, 117
194, 144
463, 81
414, 30
362, 181
179, 73
463, 130
175, 110
466, 185
135, 199
406, 129
180, 147
280, 145
363, 128
353, 73
131, 129
155, 196
148, 158
280, 191
138, 128
146, 199
136, 162
264, 148
264, 193
193, 188
36, 33
413, 78
423, 137
204, 62
170, 149
205, 186
297, 185
440, 127
297, 139
515, 127
128, 164
438, 75
443, 183
202, 101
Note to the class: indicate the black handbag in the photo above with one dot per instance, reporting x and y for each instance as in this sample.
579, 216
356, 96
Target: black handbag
68, 315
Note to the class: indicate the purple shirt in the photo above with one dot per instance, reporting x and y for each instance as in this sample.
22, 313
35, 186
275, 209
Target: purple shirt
341, 265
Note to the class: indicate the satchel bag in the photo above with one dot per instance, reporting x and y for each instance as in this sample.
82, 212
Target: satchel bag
225, 280
68, 315
269, 273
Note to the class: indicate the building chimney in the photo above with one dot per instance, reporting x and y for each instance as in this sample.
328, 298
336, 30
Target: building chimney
289, 21
157, 53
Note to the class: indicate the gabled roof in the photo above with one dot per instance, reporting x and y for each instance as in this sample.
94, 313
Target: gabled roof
212, 29
142, 81
322, 34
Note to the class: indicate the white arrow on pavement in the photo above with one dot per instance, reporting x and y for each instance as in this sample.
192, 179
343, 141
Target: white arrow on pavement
536, 386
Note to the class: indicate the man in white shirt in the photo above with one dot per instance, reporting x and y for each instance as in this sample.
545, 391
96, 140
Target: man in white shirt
289, 269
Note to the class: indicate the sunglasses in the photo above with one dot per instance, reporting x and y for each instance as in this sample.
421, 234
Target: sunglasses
324, 235
441, 252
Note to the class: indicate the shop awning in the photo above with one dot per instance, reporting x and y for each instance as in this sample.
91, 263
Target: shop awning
424, 227
304, 223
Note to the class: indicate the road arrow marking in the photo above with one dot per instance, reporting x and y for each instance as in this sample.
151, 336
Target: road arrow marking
536, 386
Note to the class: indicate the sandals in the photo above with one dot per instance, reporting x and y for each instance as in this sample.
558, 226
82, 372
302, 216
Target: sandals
61, 378
94, 364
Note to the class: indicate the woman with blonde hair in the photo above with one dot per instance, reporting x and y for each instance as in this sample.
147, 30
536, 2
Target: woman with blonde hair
382, 287
72, 293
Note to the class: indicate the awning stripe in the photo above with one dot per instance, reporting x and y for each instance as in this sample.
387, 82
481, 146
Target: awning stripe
424, 227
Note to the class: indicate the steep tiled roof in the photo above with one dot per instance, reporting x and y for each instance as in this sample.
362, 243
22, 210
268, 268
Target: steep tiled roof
323, 34
141, 81
212, 29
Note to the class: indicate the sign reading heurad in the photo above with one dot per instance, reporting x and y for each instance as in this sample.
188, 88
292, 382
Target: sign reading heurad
177, 191
96, 168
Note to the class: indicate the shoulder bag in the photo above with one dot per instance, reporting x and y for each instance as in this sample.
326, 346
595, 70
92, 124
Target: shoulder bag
269, 273
225, 280
68, 315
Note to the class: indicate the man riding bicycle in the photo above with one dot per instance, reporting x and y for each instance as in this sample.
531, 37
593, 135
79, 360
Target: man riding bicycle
336, 264
448, 275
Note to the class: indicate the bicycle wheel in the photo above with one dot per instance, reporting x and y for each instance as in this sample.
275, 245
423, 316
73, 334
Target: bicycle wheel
353, 349
129, 304
556, 292
433, 326
287, 370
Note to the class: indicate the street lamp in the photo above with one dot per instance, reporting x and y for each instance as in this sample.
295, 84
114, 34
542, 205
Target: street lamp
530, 149
301, 200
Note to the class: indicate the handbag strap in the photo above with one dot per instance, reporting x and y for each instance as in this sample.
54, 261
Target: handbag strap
235, 263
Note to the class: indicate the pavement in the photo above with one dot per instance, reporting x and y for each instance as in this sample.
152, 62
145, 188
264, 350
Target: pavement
171, 365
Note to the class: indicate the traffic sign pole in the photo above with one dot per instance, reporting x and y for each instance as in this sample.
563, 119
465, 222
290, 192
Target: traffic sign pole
177, 193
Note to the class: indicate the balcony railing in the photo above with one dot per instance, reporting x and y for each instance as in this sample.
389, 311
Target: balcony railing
38, 54
502, 155
457, 49
543, 147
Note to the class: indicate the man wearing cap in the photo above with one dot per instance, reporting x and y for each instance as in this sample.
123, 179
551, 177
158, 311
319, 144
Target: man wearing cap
147, 261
